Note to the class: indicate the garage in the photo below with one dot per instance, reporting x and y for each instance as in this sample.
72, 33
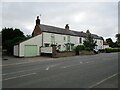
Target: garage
30, 50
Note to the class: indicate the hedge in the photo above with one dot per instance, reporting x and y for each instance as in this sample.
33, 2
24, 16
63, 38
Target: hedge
109, 50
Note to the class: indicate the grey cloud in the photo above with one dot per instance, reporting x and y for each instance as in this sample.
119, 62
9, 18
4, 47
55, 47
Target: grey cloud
98, 17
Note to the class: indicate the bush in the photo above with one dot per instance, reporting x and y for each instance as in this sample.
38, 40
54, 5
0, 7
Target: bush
80, 47
102, 50
88, 49
109, 50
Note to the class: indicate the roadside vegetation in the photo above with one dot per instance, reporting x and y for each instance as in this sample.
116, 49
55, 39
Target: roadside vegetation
10, 37
89, 45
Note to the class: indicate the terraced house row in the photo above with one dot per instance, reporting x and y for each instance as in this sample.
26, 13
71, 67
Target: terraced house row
44, 36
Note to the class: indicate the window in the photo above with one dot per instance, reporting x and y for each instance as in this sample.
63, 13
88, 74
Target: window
64, 38
59, 47
46, 44
67, 46
80, 40
68, 38
72, 46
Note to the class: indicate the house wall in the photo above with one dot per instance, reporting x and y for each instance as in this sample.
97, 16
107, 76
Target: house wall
37, 40
16, 50
46, 50
99, 43
105, 46
59, 40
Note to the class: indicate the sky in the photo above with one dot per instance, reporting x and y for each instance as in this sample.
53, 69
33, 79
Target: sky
99, 18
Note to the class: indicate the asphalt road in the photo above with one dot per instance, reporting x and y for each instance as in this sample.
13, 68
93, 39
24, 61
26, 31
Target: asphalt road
91, 71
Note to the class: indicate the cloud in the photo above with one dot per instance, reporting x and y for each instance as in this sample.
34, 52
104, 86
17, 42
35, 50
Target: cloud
100, 18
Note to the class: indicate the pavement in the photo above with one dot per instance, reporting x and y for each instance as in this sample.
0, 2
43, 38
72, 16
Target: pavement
11, 60
90, 71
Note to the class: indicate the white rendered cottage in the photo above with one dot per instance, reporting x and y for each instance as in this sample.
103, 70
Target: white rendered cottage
45, 36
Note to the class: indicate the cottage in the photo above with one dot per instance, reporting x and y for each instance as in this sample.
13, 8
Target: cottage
44, 36
105, 45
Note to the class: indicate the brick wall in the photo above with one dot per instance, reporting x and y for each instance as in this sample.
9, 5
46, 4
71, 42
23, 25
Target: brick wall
62, 53
86, 53
37, 31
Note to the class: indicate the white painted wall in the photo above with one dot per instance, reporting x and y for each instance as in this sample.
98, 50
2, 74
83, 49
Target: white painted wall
37, 40
16, 50
46, 49
106, 46
99, 44
59, 40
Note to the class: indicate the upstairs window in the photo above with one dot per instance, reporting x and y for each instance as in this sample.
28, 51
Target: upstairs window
64, 39
68, 39
80, 40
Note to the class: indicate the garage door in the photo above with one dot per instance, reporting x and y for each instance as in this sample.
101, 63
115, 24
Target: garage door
30, 50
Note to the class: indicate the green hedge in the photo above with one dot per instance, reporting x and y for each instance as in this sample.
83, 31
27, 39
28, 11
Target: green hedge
109, 50
80, 47
102, 50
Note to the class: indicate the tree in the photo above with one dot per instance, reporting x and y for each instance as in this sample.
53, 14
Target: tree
10, 37
89, 42
118, 39
110, 42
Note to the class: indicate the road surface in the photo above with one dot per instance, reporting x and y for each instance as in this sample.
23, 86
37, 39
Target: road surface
90, 71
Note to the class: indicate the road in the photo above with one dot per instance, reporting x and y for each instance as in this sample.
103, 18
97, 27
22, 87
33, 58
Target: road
90, 71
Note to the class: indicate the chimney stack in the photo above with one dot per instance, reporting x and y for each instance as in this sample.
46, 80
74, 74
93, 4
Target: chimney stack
67, 27
38, 21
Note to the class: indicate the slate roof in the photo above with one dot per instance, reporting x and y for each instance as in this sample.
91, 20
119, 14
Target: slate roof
52, 29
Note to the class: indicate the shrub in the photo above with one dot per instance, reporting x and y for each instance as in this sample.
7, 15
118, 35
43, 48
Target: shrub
88, 49
109, 50
102, 50
80, 47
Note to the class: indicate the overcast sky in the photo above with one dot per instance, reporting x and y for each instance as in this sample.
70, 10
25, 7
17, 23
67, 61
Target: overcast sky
100, 18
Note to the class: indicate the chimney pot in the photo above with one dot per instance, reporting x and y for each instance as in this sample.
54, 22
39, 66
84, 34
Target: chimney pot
67, 27
38, 21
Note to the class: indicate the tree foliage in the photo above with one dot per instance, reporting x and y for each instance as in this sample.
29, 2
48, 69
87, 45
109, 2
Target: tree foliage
118, 39
110, 42
89, 42
10, 37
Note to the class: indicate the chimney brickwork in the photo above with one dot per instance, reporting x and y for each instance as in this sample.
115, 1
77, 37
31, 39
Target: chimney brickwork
37, 29
67, 27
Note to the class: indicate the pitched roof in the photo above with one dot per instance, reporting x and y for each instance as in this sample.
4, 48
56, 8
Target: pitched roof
52, 29
105, 43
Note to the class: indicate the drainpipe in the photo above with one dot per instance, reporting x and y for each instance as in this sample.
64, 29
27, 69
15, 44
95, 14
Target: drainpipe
42, 39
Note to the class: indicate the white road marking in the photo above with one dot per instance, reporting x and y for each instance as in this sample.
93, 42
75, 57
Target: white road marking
18, 63
24, 62
89, 61
20, 71
81, 62
70, 66
18, 76
102, 81
26, 70
47, 68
